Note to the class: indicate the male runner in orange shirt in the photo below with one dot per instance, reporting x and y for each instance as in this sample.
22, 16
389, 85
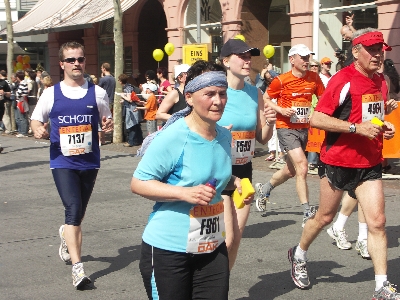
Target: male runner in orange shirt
293, 91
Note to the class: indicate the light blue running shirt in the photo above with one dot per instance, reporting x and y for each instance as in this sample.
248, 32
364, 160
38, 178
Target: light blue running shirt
241, 111
180, 157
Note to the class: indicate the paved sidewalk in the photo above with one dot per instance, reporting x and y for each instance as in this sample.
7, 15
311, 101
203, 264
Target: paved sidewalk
31, 213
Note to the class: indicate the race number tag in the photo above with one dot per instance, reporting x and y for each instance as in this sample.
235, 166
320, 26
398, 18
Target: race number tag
243, 145
372, 106
207, 228
302, 112
76, 140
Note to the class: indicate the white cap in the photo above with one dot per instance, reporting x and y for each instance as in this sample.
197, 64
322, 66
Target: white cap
151, 86
300, 49
180, 69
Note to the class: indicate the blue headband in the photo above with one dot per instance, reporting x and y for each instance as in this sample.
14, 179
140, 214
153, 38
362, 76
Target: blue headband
211, 78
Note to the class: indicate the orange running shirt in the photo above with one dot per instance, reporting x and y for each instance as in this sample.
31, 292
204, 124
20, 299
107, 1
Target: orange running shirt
151, 108
291, 91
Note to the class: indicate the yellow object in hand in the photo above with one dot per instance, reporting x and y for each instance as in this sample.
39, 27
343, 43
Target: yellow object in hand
376, 121
247, 191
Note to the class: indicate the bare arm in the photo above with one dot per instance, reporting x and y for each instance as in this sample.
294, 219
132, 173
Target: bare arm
266, 119
349, 22
166, 104
287, 112
323, 121
39, 129
167, 90
391, 104
159, 191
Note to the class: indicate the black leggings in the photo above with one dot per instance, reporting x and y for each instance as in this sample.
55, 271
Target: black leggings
75, 188
169, 275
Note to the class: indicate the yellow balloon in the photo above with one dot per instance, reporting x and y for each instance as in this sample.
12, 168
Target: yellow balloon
240, 37
19, 66
158, 54
169, 48
26, 59
269, 51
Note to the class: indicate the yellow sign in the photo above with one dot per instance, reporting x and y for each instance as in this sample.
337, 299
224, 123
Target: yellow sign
194, 52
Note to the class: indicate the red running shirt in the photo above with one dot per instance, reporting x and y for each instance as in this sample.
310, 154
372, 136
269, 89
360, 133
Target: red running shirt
355, 98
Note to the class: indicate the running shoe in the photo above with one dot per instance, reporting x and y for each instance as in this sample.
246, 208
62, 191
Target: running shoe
362, 249
298, 270
79, 278
308, 215
340, 237
63, 250
388, 291
261, 198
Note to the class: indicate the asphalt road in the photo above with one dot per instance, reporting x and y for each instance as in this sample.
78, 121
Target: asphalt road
31, 213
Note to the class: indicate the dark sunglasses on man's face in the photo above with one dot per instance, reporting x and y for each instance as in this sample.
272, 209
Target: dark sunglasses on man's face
328, 64
72, 60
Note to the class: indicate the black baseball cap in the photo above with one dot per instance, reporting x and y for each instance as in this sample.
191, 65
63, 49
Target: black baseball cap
236, 46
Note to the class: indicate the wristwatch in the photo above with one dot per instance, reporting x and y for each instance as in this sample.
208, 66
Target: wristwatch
352, 128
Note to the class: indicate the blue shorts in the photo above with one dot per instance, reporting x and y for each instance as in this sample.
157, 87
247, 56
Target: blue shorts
75, 188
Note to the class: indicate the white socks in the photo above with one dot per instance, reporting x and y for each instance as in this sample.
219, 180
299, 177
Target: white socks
340, 221
300, 254
379, 280
362, 231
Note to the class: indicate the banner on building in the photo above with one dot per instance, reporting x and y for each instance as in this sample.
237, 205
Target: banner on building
194, 52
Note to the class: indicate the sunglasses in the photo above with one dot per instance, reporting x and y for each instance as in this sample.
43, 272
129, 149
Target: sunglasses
313, 66
72, 60
328, 64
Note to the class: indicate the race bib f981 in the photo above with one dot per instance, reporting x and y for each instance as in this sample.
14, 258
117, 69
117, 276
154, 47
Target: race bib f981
207, 228
76, 140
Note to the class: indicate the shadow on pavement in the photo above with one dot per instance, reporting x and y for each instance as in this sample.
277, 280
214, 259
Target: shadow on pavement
260, 230
126, 256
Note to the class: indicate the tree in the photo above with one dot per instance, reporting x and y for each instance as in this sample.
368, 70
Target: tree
10, 40
119, 68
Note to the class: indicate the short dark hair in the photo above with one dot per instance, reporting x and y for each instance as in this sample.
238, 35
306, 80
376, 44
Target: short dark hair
123, 78
69, 45
32, 75
150, 74
3, 73
106, 66
20, 74
163, 71
202, 66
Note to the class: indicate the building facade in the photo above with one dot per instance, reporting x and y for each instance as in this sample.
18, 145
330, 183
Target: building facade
150, 24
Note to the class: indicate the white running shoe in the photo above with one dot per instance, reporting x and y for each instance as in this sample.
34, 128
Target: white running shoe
63, 250
306, 216
362, 249
261, 198
298, 270
340, 237
79, 278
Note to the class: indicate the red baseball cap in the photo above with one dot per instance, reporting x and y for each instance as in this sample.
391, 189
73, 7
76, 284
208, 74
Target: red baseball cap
371, 38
